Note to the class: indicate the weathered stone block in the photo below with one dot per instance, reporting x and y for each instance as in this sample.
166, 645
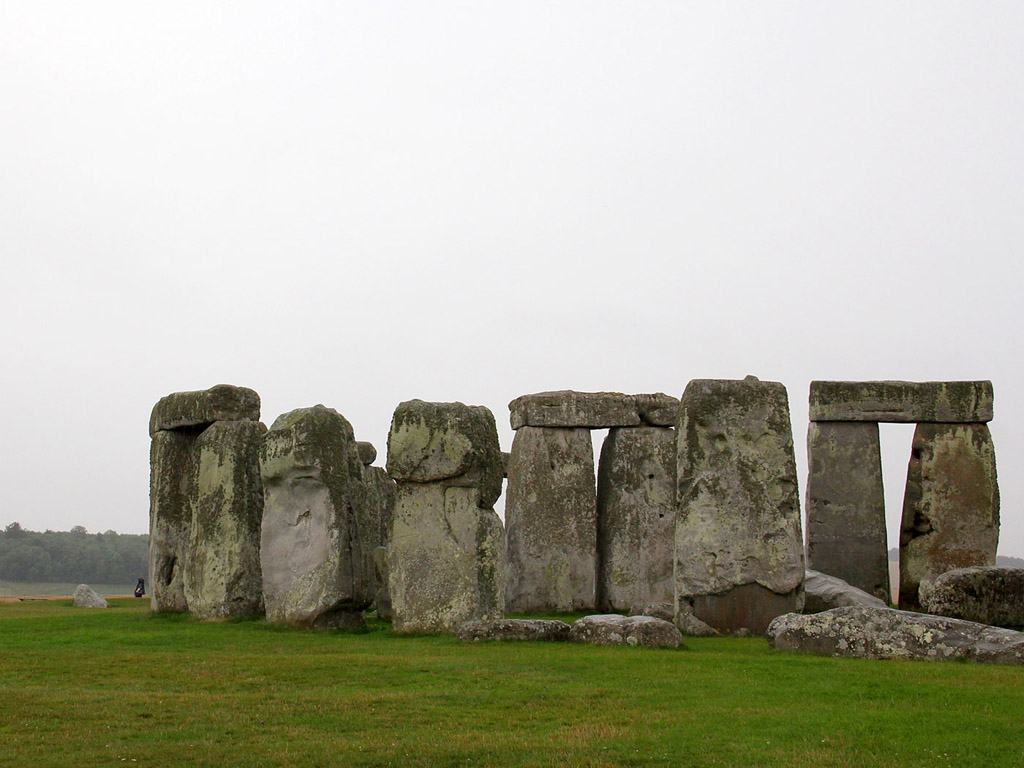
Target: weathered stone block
446, 441
222, 566
846, 505
823, 592
514, 629
86, 597
568, 409
987, 594
658, 409
909, 402
367, 453
613, 629
551, 521
194, 409
320, 526
882, 633
374, 521
636, 518
738, 544
951, 505
170, 518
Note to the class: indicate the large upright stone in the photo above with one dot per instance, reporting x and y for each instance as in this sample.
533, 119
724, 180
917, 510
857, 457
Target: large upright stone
319, 527
551, 521
444, 561
568, 409
186, 410
738, 545
846, 505
222, 567
951, 505
635, 518
170, 518
910, 402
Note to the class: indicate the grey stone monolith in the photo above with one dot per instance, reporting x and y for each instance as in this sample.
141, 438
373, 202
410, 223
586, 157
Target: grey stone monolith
317, 562
568, 409
375, 521
845, 505
985, 594
738, 544
445, 560
906, 402
170, 518
951, 505
221, 576
635, 518
551, 521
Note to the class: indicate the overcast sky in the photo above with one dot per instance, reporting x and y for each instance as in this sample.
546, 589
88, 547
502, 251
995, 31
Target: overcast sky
357, 204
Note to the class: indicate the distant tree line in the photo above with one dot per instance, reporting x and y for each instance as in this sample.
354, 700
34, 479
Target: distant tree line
72, 556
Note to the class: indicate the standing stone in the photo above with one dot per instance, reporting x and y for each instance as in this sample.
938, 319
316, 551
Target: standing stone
738, 544
222, 567
951, 505
320, 525
551, 521
444, 560
846, 505
375, 520
635, 518
170, 518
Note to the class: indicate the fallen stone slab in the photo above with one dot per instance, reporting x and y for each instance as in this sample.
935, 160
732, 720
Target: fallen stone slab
223, 402
514, 629
569, 409
658, 409
612, 629
986, 594
885, 633
692, 626
823, 592
904, 402
950, 507
86, 597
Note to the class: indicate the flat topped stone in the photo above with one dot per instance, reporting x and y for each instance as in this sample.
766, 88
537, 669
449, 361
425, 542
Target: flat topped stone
568, 409
612, 629
904, 402
514, 629
658, 409
988, 594
223, 402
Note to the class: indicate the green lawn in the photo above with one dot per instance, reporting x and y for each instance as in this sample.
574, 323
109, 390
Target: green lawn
121, 686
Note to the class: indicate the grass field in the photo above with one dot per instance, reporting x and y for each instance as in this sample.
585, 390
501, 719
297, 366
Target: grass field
122, 686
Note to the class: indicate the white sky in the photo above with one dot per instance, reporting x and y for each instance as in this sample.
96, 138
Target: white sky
362, 203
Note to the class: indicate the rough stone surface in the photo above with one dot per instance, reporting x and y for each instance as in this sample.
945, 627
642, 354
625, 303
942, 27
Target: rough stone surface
170, 518
613, 629
382, 598
664, 611
635, 518
691, 626
989, 595
951, 505
367, 453
320, 525
845, 505
514, 629
196, 409
222, 567
823, 592
738, 542
883, 633
446, 441
658, 409
551, 519
86, 597
568, 409
374, 521
902, 401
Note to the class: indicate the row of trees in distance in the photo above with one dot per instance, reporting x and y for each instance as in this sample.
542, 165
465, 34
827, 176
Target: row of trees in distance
72, 556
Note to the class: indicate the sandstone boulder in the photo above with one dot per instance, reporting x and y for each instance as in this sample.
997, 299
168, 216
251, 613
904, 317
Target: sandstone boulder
612, 629
738, 542
550, 515
223, 402
909, 402
989, 595
823, 592
568, 409
86, 597
883, 633
514, 629
951, 505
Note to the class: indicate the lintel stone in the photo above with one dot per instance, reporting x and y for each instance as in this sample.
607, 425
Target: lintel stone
903, 402
223, 402
569, 409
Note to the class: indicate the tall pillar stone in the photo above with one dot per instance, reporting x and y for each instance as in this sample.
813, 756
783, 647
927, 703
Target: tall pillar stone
222, 568
738, 543
845, 505
951, 505
170, 518
320, 522
635, 518
444, 561
551, 521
